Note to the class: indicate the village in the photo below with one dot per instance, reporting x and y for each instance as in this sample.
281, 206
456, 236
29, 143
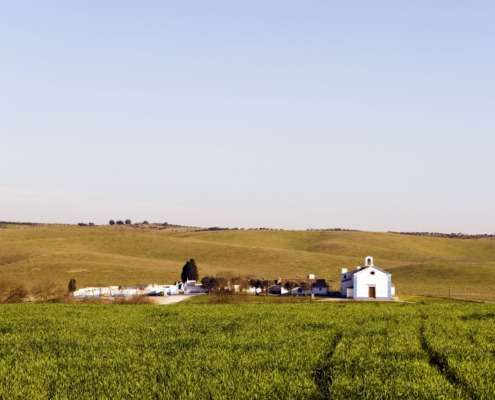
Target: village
365, 282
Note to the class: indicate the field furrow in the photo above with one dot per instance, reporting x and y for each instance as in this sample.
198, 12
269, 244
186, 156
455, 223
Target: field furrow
247, 351
463, 339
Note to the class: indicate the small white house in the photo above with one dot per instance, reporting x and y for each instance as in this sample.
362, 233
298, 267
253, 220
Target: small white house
367, 282
171, 290
320, 288
254, 290
191, 287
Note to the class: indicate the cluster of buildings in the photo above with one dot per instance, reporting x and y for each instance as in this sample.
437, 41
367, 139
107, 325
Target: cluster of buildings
365, 282
307, 287
189, 287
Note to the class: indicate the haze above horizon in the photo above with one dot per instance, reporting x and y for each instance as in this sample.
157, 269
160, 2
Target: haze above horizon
365, 115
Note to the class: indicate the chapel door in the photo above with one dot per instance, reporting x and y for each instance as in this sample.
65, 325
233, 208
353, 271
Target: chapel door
372, 292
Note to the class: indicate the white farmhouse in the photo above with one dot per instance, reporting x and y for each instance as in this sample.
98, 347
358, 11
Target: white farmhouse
192, 287
367, 282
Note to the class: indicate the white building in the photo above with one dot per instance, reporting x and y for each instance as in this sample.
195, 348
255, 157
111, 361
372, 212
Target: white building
171, 290
367, 282
109, 291
192, 287
126, 291
320, 288
161, 290
254, 290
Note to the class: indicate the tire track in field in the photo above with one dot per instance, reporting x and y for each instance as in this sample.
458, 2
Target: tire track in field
323, 373
439, 362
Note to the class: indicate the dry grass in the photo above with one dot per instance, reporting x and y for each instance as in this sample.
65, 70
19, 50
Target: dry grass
51, 255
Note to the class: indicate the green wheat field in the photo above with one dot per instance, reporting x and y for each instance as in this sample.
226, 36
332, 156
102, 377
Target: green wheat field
248, 351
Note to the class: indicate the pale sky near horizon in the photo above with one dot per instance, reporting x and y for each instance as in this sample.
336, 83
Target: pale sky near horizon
296, 114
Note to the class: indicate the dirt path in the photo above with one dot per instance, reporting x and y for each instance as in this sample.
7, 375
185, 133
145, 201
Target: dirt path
165, 300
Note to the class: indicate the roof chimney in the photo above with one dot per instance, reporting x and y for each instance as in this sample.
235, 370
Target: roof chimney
344, 271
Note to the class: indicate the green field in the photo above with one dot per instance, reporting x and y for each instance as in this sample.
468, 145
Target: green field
51, 255
279, 351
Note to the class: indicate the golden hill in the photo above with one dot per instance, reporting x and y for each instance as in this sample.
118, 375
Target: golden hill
51, 255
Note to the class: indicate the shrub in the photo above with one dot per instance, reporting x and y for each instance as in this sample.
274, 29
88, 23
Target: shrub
16, 295
133, 300
46, 291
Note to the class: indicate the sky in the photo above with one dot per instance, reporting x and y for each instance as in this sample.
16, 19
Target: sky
375, 115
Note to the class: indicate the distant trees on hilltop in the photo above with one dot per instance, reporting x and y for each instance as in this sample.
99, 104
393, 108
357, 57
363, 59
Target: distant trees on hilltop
458, 235
120, 222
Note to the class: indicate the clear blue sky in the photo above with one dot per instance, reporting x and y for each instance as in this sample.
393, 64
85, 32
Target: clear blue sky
362, 114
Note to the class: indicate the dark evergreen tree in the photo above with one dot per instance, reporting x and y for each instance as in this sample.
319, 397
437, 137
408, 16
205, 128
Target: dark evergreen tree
72, 286
194, 274
189, 271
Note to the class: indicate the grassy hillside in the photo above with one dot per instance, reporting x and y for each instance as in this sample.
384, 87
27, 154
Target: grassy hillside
51, 255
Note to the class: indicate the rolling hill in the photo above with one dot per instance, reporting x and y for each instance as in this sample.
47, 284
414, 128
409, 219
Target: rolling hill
52, 254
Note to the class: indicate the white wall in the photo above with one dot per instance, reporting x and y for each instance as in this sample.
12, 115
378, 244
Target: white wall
193, 288
344, 286
365, 278
321, 291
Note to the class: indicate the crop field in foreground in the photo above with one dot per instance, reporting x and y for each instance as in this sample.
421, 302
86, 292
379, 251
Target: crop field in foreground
283, 351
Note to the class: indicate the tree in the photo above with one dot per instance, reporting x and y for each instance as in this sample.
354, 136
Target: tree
305, 287
146, 222
210, 283
185, 272
128, 222
119, 222
111, 222
194, 275
189, 271
215, 284
240, 281
289, 285
72, 286
257, 284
